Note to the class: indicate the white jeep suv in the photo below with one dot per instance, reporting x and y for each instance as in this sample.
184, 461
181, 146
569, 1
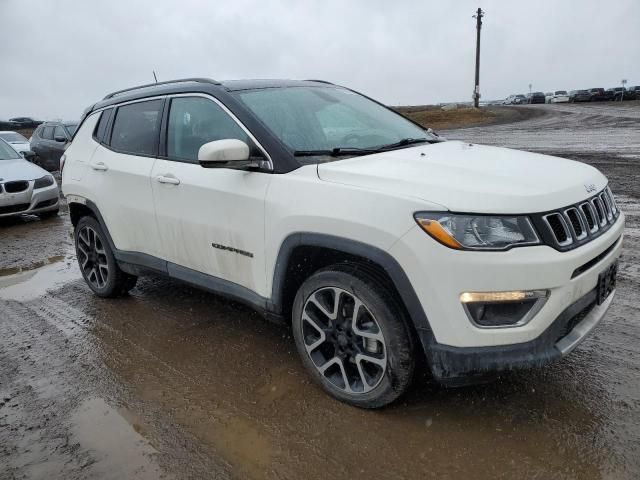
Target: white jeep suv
379, 242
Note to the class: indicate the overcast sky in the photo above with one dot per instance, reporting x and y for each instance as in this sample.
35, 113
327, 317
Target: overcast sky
57, 57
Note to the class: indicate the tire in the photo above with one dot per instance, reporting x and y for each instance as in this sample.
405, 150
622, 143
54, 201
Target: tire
51, 214
97, 263
342, 355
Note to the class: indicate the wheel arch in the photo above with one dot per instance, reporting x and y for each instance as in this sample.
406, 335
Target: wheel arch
303, 253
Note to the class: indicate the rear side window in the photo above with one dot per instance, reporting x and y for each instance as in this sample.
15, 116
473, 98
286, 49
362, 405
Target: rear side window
194, 121
101, 128
59, 132
47, 133
135, 128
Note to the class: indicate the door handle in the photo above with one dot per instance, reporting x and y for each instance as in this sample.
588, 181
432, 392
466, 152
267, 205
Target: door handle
100, 166
171, 180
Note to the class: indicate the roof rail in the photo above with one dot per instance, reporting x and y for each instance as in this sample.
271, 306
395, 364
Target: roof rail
149, 85
319, 81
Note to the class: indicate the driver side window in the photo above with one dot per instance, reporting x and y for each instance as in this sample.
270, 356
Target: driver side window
194, 121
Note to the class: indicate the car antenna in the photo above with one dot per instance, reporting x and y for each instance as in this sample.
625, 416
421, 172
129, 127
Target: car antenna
154, 76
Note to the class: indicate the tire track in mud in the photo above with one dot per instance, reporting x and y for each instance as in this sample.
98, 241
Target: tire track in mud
57, 377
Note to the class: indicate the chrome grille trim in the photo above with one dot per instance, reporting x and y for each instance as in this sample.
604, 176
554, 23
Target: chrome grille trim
587, 207
583, 223
604, 196
614, 206
569, 238
574, 225
600, 213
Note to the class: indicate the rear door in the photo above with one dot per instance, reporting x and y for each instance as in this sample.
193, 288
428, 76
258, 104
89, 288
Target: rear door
119, 176
43, 146
210, 220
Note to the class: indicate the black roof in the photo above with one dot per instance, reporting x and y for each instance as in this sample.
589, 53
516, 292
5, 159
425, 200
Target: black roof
196, 85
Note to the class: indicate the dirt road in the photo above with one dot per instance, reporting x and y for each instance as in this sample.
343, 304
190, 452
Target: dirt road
175, 383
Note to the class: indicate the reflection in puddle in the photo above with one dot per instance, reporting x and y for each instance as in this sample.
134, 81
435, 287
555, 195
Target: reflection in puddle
27, 284
118, 449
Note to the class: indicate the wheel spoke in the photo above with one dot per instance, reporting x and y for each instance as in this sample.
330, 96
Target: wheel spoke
330, 315
323, 337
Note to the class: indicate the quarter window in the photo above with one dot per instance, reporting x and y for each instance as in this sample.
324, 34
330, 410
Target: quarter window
194, 121
101, 128
135, 128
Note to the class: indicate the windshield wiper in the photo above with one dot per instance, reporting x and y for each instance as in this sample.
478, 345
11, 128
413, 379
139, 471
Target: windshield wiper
338, 151
402, 143
335, 152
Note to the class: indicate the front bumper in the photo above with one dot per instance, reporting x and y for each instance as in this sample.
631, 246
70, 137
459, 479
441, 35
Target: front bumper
454, 366
439, 275
30, 201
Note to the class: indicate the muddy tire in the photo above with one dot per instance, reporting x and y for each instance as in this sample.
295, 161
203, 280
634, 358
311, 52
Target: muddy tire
353, 337
97, 263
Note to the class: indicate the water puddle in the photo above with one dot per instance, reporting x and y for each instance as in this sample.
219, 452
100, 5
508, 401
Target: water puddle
28, 283
118, 449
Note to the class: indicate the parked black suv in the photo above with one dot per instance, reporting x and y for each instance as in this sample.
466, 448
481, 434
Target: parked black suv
49, 142
621, 93
536, 97
635, 91
25, 122
579, 96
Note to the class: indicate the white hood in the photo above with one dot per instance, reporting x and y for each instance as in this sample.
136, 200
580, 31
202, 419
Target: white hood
20, 169
471, 178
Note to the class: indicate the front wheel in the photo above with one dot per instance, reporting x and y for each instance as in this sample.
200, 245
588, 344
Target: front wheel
353, 336
97, 263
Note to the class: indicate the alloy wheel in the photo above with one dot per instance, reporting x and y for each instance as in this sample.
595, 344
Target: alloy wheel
92, 257
343, 340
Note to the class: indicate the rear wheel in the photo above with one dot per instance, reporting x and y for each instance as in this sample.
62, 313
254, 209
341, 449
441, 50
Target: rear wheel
97, 263
353, 337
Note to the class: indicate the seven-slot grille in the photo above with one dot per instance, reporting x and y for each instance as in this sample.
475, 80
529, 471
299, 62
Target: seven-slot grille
579, 223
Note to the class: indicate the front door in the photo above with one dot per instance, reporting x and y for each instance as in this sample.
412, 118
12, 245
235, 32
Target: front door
210, 220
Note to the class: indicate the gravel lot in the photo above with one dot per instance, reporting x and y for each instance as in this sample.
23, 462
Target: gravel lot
176, 383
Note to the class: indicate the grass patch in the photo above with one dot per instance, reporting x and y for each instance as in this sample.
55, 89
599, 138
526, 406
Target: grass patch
438, 119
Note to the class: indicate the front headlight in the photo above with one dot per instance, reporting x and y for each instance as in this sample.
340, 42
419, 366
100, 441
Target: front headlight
478, 232
42, 182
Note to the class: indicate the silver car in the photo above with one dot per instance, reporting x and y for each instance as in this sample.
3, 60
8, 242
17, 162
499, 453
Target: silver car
25, 187
17, 141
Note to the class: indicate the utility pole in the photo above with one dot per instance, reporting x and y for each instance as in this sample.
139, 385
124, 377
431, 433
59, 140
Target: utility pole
154, 76
624, 82
476, 92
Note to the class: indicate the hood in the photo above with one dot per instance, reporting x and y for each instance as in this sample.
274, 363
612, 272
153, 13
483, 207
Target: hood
471, 178
20, 169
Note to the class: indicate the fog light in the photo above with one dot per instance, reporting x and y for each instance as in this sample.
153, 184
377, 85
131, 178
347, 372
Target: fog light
502, 309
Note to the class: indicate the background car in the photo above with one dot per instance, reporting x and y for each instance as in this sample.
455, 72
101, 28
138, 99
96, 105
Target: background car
25, 187
548, 96
515, 100
16, 140
536, 97
579, 96
25, 122
559, 96
635, 91
620, 93
599, 95
49, 142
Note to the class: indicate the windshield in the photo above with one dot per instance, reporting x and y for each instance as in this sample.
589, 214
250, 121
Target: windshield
12, 137
71, 127
7, 152
561, 92
321, 119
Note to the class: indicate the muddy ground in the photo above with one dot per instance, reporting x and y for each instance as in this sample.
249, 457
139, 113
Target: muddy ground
176, 383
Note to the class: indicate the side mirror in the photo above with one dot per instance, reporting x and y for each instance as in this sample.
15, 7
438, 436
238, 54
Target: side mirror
230, 153
29, 155
61, 139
